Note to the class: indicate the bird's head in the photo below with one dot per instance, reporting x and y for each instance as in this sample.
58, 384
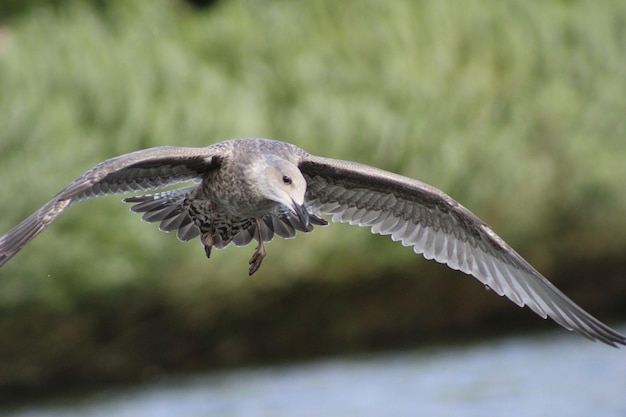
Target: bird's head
283, 183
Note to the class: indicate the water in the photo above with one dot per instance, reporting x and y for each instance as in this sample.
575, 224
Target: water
558, 375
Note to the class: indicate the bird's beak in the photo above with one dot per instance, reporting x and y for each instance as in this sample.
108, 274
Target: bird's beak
302, 213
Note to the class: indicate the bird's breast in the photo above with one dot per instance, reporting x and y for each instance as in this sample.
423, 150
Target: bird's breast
234, 195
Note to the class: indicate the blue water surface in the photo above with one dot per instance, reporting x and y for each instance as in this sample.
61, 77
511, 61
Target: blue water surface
560, 374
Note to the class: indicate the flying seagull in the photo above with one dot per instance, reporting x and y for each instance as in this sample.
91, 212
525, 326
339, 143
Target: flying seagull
246, 189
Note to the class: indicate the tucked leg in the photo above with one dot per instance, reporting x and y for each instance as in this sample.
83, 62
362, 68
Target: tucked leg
259, 253
207, 241
207, 238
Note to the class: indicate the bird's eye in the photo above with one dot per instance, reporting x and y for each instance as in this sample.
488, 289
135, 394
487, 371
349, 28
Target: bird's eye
286, 179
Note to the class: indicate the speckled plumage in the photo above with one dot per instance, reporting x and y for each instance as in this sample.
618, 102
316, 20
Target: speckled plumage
248, 189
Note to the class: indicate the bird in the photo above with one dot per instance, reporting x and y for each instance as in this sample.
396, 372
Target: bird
241, 190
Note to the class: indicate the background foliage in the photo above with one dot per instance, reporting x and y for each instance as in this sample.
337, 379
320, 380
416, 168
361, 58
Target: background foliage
514, 108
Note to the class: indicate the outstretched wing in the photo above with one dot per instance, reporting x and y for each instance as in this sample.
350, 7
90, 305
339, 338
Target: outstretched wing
421, 216
141, 170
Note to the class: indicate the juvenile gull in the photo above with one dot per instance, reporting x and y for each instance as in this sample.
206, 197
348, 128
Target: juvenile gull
247, 189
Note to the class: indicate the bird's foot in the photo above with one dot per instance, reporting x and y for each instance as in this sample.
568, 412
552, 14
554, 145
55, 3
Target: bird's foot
207, 241
257, 258
207, 237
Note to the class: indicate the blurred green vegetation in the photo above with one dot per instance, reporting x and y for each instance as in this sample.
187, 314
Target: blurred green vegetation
514, 108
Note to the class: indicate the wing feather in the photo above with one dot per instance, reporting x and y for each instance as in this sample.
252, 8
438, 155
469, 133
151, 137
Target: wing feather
171, 210
141, 170
435, 225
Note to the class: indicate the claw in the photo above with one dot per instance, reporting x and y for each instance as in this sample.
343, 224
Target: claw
257, 259
207, 241
259, 252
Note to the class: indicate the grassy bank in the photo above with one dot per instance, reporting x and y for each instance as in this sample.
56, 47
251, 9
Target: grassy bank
514, 108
